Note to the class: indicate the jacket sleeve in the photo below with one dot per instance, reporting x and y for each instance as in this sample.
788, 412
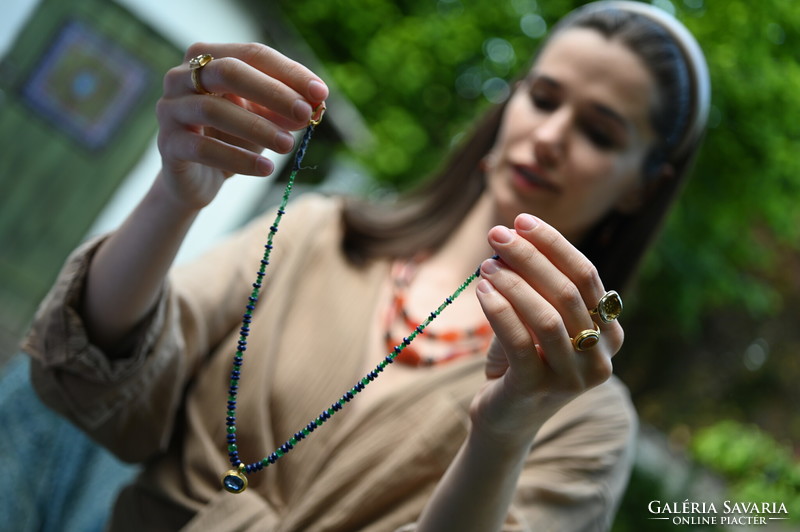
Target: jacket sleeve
129, 404
578, 467
578, 470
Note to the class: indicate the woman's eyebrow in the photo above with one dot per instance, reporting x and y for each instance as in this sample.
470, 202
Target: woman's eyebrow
537, 78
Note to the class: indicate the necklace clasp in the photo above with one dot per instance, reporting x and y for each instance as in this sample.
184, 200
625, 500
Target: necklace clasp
316, 116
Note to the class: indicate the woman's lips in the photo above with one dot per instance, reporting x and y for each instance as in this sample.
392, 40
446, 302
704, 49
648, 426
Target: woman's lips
530, 177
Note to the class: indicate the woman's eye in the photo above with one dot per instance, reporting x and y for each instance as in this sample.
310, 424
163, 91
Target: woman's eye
543, 102
599, 137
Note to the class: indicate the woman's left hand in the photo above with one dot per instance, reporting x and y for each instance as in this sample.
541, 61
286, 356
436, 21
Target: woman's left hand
537, 297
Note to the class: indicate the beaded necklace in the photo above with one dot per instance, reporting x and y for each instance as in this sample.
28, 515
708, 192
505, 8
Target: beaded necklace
235, 479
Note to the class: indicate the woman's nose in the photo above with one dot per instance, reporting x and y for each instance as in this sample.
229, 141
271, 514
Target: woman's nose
550, 137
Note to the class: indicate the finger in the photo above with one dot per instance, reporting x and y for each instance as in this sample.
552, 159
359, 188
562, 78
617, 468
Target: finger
276, 118
234, 141
512, 334
272, 63
229, 118
183, 145
257, 73
538, 315
564, 256
543, 276
578, 273
231, 76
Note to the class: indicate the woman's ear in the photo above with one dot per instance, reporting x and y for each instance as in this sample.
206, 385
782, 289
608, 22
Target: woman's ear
638, 195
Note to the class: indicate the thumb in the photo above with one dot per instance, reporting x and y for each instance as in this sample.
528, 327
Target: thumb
496, 360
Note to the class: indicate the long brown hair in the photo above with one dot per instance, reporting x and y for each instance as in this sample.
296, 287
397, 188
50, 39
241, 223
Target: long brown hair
424, 218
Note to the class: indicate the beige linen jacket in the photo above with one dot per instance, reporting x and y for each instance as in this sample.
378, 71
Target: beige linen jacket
368, 469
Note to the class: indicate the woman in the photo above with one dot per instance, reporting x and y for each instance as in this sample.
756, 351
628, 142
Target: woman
517, 425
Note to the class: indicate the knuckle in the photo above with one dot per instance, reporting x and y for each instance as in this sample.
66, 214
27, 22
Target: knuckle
549, 326
173, 79
602, 370
162, 109
162, 141
550, 236
201, 148
586, 274
195, 49
616, 337
523, 250
514, 283
254, 51
205, 109
170, 144
255, 127
570, 295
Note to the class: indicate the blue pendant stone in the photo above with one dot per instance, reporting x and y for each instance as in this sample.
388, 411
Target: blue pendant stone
234, 481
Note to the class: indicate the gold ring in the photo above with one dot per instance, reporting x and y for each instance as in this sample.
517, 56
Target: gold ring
587, 339
609, 307
195, 64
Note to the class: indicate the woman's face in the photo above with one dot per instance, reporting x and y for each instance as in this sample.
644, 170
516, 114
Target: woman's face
574, 134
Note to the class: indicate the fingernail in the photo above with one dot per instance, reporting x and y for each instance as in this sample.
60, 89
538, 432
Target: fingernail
502, 235
284, 142
489, 267
485, 287
301, 110
317, 90
526, 222
264, 166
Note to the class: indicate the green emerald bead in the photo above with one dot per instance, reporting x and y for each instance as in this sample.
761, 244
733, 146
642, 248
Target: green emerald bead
232, 447
231, 430
331, 411
292, 440
231, 398
234, 383
279, 453
265, 462
318, 422
364, 381
305, 432
342, 402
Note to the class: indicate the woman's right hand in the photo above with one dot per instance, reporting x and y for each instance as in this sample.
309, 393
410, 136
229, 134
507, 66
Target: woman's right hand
259, 97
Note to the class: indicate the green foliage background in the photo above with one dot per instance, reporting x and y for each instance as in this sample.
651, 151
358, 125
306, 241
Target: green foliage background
420, 70
712, 330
